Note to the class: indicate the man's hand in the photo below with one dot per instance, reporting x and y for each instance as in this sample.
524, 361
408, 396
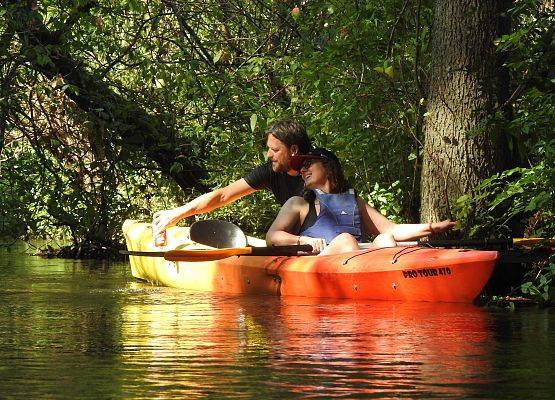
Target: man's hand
163, 219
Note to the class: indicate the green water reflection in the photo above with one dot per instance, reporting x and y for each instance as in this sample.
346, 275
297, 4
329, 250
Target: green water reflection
71, 329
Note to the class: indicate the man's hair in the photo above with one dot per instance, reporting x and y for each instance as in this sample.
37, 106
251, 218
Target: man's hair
290, 133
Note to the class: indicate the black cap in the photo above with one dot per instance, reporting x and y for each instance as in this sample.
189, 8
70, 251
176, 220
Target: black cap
319, 153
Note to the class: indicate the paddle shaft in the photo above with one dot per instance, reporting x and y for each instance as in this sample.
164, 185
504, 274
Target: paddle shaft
495, 242
482, 243
217, 233
218, 254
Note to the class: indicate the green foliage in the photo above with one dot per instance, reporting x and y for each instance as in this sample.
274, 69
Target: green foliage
520, 200
73, 201
530, 56
516, 203
539, 282
517, 200
386, 200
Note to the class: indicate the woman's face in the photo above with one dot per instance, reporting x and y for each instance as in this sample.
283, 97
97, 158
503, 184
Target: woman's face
314, 174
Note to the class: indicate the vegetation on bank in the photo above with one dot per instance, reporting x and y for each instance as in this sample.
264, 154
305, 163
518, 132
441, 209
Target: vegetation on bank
112, 109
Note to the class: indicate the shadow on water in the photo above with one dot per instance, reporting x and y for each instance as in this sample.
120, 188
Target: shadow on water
71, 331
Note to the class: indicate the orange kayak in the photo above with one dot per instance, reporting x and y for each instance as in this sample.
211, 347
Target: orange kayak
400, 273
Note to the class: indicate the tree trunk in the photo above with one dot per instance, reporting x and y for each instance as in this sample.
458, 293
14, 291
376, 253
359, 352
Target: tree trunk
464, 137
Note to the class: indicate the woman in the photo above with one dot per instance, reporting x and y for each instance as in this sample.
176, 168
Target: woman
331, 218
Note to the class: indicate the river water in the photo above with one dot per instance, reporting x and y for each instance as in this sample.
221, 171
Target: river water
72, 329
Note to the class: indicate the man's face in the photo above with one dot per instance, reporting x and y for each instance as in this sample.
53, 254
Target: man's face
279, 154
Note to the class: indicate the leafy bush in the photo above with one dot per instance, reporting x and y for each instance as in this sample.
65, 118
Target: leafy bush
517, 201
539, 282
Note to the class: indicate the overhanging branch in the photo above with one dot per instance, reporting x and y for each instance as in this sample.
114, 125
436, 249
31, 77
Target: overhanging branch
138, 129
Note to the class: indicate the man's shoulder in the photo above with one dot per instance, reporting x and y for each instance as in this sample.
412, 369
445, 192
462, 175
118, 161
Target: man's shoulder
265, 171
263, 168
259, 176
266, 166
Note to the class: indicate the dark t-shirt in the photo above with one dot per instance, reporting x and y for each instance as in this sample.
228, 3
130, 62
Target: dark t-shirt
283, 185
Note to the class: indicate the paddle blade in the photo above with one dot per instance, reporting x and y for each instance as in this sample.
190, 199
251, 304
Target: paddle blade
218, 234
533, 241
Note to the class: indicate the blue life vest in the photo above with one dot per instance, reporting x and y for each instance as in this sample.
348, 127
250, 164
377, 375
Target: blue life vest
338, 214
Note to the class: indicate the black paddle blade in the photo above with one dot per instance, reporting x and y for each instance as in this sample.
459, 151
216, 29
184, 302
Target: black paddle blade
218, 234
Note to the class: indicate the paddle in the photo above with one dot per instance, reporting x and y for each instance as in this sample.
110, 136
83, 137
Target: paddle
485, 243
218, 234
218, 254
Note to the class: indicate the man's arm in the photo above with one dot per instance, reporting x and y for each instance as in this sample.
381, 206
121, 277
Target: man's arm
213, 200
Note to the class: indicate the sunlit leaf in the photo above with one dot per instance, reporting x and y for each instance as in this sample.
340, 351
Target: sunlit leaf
253, 120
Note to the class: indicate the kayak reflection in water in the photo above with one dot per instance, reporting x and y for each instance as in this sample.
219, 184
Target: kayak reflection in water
331, 218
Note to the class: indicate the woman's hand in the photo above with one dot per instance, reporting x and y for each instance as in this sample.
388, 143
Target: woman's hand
318, 244
442, 226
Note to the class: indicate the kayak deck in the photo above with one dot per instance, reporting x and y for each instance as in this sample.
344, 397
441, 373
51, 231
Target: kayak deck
400, 273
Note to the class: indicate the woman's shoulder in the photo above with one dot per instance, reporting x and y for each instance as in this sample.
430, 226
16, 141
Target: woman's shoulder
295, 204
296, 201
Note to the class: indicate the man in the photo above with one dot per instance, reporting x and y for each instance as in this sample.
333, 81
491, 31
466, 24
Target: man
284, 139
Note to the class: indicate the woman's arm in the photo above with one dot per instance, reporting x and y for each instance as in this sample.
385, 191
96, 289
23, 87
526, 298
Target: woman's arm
416, 231
287, 223
375, 223
285, 228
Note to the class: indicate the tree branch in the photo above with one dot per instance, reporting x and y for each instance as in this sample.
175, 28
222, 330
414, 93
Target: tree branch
138, 129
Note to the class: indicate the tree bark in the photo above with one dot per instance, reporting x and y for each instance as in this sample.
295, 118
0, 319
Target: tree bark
464, 137
139, 130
